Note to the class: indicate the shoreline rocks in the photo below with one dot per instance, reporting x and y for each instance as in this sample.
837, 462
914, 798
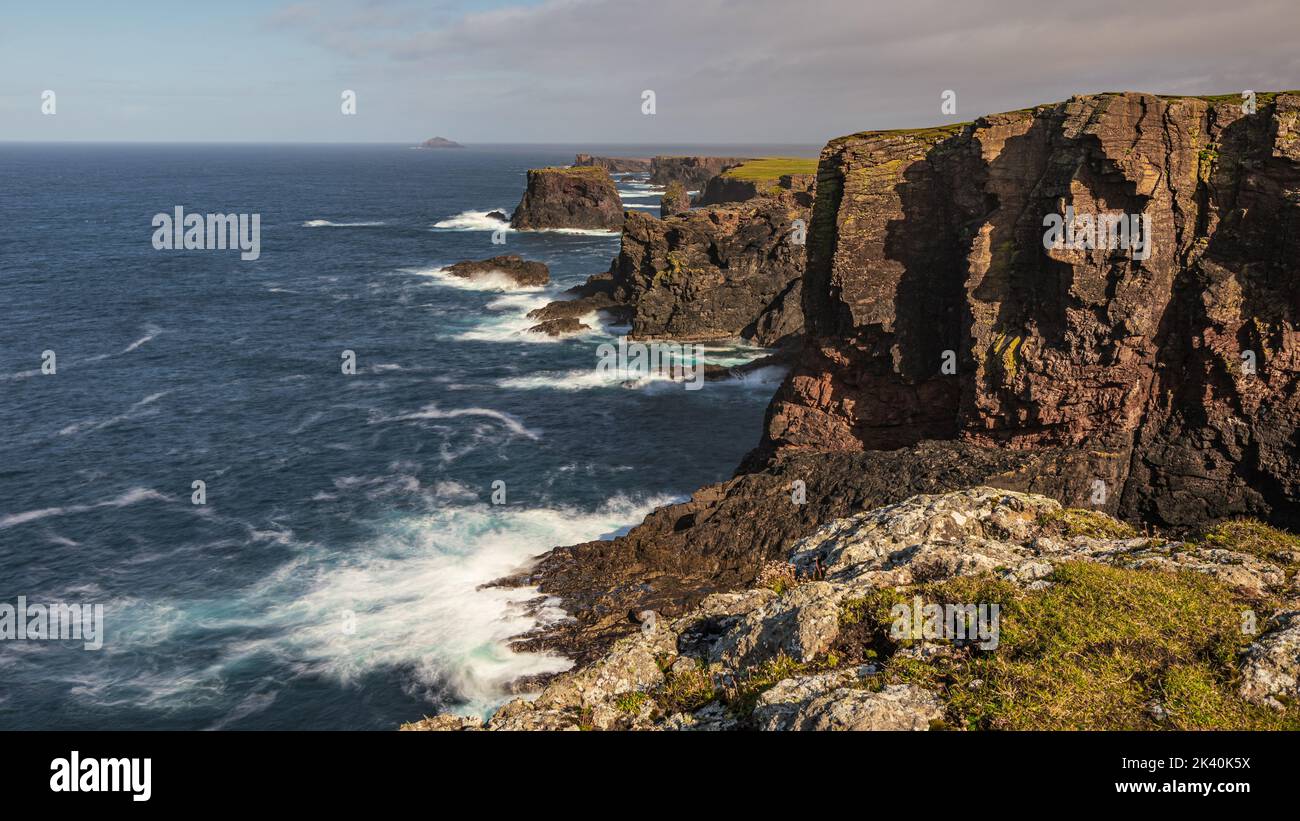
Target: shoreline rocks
817, 646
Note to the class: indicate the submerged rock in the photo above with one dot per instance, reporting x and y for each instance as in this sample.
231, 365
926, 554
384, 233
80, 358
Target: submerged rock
560, 327
522, 272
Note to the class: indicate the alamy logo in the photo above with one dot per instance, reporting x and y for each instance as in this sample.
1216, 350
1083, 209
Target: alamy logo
1090, 232
77, 774
632, 361
210, 232
53, 622
979, 623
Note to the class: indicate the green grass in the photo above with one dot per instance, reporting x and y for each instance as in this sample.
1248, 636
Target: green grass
1256, 538
684, 692
631, 703
1075, 521
771, 168
1094, 650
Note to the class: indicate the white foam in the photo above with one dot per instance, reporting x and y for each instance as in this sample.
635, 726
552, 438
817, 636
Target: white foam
474, 221
130, 497
132, 412
410, 598
495, 281
432, 411
151, 333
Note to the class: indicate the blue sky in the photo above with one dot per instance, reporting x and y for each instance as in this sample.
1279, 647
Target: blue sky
573, 70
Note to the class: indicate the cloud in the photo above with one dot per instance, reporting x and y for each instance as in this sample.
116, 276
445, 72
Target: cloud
771, 70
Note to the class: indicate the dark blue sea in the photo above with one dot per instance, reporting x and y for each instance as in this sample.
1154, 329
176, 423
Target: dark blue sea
331, 578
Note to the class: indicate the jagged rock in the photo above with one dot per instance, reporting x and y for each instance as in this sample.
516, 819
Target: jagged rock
575, 197
674, 201
500, 216
800, 625
896, 707
522, 272
712, 274
445, 722
1271, 667
931, 240
778, 706
712, 717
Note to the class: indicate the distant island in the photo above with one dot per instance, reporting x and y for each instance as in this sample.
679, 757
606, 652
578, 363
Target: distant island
440, 142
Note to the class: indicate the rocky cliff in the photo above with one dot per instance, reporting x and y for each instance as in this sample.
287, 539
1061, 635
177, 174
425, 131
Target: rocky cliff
713, 274
576, 197
692, 172
1089, 376
1175, 364
616, 165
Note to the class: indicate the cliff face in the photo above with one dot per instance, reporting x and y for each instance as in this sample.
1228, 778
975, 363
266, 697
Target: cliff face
930, 241
713, 273
615, 165
579, 197
1104, 379
692, 172
723, 189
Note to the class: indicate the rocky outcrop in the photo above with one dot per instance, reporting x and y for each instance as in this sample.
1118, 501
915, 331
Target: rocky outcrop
713, 274
578, 197
615, 165
691, 172
674, 201
821, 645
798, 188
521, 272
927, 247
716, 273
721, 538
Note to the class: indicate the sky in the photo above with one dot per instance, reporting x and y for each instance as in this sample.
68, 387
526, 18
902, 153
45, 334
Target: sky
574, 71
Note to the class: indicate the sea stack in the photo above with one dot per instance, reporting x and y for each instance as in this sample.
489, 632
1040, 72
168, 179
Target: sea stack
577, 197
674, 201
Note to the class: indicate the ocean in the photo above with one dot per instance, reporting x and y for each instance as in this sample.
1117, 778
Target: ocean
330, 579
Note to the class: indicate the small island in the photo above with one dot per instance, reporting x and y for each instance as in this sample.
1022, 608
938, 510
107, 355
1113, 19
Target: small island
439, 142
